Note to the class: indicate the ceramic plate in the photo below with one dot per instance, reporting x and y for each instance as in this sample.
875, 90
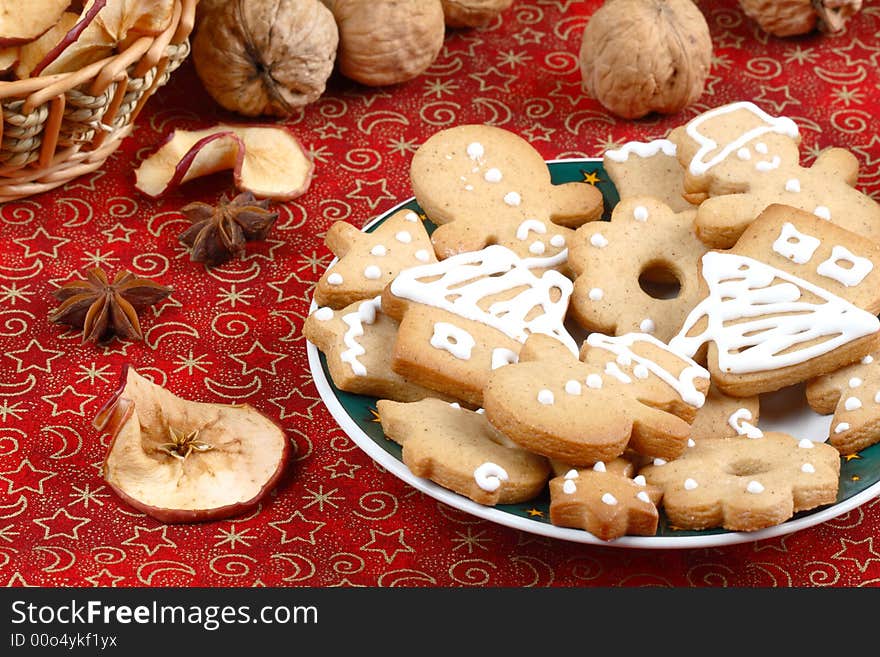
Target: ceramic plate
783, 411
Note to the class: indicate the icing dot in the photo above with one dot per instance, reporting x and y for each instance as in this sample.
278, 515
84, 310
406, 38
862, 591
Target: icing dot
609, 499
378, 250
855, 382
545, 397
372, 272
640, 213
595, 381
480, 411
822, 212
512, 198
867, 360
475, 150
755, 487
468, 188
643, 496
852, 403
411, 216
598, 241
808, 468
691, 442
422, 255
569, 487
659, 461
805, 443
489, 476
455, 405
761, 148
690, 484
877, 397
537, 247
335, 279
573, 387
324, 313
493, 176
599, 466
744, 154
449, 156
647, 326
640, 480
558, 241
641, 371
596, 294
793, 185
843, 426
572, 474
764, 165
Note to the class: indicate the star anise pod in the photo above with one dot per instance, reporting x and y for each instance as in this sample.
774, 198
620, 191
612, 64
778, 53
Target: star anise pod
105, 309
219, 233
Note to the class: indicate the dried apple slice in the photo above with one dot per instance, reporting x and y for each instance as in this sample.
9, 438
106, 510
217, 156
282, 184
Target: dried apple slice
31, 54
143, 17
267, 161
8, 58
183, 461
86, 42
20, 24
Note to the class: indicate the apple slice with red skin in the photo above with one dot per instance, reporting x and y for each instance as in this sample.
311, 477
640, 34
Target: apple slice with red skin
80, 46
25, 20
182, 461
31, 54
266, 160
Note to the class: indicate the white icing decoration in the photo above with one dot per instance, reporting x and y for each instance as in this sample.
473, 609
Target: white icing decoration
642, 149
324, 313
502, 356
596, 294
411, 216
744, 154
659, 461
850, 277
755, 487
472, 276
855, 382
522, 231
867, 360
365, 314
480, 411
738, 420
647, 325
761, 148
643, 496
595, 381
613, 370
537, 247
793, 185
877, 397
641, 371
609, 499
624, 359
808, 468
493, 176
805, 443
852, 403
765, 165
640, 480
572, 474
822, 212
453, 339
422, 255
691, 442
475, 150
546, 397
372, 272
489, 476
569, 487
698, 167
776, 319
335, 278
378, 250
683, 383
455, 405
404, 237
512, 198
573, 387
468, 188
598, 240
599, 466
840, 428
558, 241
640, 213
795, 245
690, 484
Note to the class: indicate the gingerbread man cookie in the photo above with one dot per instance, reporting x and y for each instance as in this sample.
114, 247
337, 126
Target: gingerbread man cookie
796, 298
459, 450
627, 391
741, 159
648, 169
617, 262
485, 185
369, 261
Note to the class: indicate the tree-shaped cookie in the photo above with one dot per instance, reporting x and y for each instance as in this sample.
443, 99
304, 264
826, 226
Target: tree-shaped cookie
853, 395
369, 261
459, 450
468, 315
485, 185
741, 159
606, 504
647, 169
626, 391
796, 297
625, 267
745, 485
356, 341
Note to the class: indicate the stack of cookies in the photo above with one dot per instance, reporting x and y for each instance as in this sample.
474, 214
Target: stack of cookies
526, 345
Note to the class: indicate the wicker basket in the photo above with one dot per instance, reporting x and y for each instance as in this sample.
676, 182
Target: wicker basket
58, 127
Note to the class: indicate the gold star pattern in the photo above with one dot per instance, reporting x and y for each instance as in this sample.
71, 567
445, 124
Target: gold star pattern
232, 537
371, 191
152, 540
776, 97
535, 513
118, 233
61, 525
850, 457
298, 528
33, 357
59, 402
254, 359
342, 468
387, 543
861, 552
28, 478
591, 177
43, 244
375, 414
103, 579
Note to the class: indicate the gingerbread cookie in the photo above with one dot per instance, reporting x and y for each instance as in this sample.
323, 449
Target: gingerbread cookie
628, 391
485, 185
742, 159
725, 417
369, 261
356, 342
853, 395
459, 450
606, 504
796, 297
468, 315
746, 485
648, 169
622, 266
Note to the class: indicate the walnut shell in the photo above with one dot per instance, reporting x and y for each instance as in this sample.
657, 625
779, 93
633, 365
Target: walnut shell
784, 18
265, 57
385, 42
643, 56
472, 13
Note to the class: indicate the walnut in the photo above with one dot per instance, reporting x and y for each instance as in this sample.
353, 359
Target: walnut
643, 56
472, 13
265, 57
385, 42
785, 18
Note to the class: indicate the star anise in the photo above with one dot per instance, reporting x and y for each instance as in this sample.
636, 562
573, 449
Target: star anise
219, 233
105, 309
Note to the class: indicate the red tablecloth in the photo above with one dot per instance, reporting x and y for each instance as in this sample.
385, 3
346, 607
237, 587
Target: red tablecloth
234, 334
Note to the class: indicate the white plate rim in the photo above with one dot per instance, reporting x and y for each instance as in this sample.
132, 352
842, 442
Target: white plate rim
492, 514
